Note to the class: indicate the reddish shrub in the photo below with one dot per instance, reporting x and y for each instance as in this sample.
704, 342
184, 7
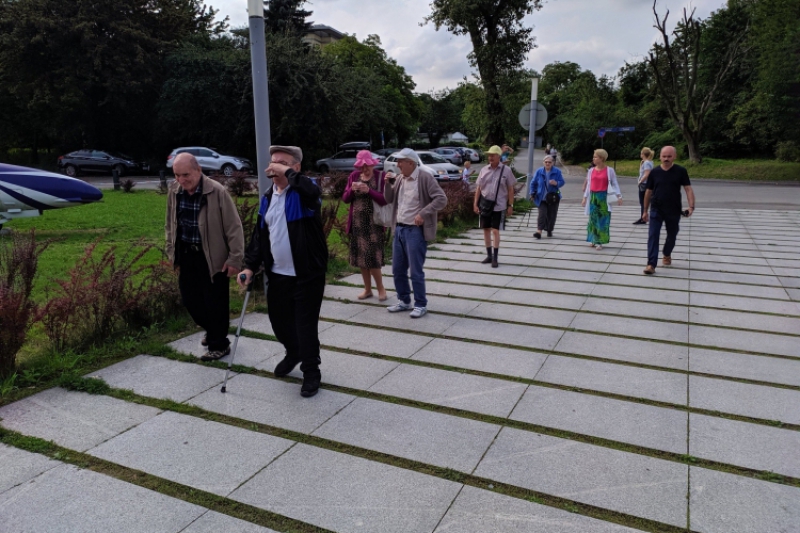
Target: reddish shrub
19, 259
460, 202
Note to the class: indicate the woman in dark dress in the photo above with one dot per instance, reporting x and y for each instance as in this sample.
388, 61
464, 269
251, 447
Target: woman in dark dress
365, 186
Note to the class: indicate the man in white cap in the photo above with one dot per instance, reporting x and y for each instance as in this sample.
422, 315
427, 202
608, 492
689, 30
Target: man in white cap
494, 199
417, 198
288, 241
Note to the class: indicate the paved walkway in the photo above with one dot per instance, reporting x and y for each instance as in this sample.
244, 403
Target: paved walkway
561, 392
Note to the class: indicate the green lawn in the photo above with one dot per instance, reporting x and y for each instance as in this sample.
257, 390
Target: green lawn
727, 169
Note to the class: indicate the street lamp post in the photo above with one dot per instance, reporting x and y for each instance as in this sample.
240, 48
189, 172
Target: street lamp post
258, 61
532, 133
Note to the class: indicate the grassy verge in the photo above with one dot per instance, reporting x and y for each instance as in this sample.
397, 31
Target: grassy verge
726, 169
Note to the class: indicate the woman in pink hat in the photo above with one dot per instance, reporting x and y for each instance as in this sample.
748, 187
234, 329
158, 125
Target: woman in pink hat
365, 186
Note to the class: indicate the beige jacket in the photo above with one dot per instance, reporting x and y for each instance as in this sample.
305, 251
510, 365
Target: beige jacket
431, 200
220, 227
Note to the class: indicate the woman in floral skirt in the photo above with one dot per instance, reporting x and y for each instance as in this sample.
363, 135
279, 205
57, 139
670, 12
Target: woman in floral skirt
601, 182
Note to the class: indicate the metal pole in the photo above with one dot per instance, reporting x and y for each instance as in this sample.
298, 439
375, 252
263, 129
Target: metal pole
258, 61
532, 133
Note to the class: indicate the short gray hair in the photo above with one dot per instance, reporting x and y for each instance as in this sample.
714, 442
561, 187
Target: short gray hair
548, 158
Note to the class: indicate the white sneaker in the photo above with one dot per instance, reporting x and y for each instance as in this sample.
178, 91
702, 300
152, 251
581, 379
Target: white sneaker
418, 312
399, 306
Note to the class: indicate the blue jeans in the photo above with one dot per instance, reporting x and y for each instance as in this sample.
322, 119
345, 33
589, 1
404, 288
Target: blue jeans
408, 252
672, 223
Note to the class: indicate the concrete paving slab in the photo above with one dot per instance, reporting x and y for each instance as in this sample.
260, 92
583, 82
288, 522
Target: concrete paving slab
348, 494
642, 294
657, 311
259, 322
622, 349
475, 356
343, 369
482, 511
213, 522
720, 301
503, 333
432, 323
757, 401
650, 282
746, 366
743, 444
620, 481
548, 274
750, 291
454, 289
510, 268
722, 503
473, 257
631, 327
432, 438
249, 352
534, 316
205, 455
762, 277
794, 294
556, 286
19, 466
653, 427
73, 500
162, 378
751, 341
634, 268
452, 389
618, 379
489, 280
372, 340
743, 320
342, 310
787, 282
273, 402
540, 299
75, 420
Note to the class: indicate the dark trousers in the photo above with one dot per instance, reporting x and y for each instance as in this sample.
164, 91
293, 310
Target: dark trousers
547, 216
641, 201
672, 222
207, 300
294, 305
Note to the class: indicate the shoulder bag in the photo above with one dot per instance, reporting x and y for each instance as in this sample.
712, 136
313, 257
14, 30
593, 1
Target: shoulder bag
485, 205
382, 214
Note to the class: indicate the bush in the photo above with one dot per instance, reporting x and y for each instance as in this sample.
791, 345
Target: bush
19, 259
238, 184
460, 201
128, 185
788, 151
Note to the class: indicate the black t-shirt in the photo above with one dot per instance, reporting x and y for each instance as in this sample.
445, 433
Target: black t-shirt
666, 186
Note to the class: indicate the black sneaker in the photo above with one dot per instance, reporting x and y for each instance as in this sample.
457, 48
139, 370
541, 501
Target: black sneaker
285, 366
537, 235
486, 261
213, 355
638, 222
549, 233
204, 341
494, 263
310, 384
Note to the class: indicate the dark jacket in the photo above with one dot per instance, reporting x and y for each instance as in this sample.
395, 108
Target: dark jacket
304, 225
540, 185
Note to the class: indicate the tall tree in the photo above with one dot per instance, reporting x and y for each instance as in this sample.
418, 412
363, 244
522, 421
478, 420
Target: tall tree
286, 16
688, 86
499, 43
441, 115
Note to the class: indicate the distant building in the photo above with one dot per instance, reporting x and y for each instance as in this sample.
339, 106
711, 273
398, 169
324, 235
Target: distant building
321, 35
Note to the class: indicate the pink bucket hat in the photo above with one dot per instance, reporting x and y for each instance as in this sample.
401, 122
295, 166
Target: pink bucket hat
364, 157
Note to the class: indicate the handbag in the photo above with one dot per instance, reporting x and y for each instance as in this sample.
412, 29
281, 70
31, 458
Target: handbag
382, 214
486, 206
611, 194
551, 198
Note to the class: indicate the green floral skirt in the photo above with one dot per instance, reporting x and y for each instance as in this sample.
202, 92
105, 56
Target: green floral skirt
597, 231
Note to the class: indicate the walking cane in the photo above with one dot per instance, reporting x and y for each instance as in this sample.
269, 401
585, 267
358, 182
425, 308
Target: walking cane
242, 277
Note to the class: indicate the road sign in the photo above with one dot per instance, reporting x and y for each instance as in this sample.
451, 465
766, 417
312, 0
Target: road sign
615, 130
525, 116
601, 132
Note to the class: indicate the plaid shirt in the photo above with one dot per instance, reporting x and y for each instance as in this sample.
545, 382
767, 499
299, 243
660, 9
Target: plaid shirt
188, 213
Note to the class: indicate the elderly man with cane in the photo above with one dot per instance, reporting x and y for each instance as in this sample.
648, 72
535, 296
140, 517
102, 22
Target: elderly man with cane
205, 243
288, 241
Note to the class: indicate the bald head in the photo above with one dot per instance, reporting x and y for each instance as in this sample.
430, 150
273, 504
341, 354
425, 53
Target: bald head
667, 156
187, 171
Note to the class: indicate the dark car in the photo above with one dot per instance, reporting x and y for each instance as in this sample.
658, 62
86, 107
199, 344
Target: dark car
99, 162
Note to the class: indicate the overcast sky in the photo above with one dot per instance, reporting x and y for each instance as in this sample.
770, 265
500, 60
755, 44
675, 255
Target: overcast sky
599, 35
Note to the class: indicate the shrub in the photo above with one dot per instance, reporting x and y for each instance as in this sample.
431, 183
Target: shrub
128, 185
788, 151
460, 202
19, 259
247, 214
238, 184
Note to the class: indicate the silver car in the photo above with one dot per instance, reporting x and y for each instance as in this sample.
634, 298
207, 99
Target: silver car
431, 162
344, 160
211, 161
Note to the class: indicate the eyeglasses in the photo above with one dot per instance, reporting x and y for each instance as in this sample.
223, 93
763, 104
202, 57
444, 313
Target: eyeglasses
284, 163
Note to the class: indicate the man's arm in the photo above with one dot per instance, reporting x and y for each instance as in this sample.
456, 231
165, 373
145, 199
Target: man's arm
309, 193
689, 197
647, 194
438, 197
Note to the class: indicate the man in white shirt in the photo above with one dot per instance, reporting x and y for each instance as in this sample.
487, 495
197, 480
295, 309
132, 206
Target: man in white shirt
417, 199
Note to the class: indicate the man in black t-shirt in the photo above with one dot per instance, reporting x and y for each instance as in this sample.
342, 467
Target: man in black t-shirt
662, 205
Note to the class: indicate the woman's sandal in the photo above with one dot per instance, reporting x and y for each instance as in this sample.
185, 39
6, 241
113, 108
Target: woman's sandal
383, 297
364, 295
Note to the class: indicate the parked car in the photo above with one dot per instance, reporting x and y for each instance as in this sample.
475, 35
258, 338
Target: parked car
386, 152
211, 161
451, 154
431, 162
100, 162
474, 155
344, 160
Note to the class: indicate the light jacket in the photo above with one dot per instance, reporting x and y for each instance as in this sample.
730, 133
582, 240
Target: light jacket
540, 187
375, 194
304, 225
431, 200
613, 186
221, 231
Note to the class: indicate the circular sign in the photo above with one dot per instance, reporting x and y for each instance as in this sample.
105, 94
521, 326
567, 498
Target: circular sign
525, 116
601, 132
